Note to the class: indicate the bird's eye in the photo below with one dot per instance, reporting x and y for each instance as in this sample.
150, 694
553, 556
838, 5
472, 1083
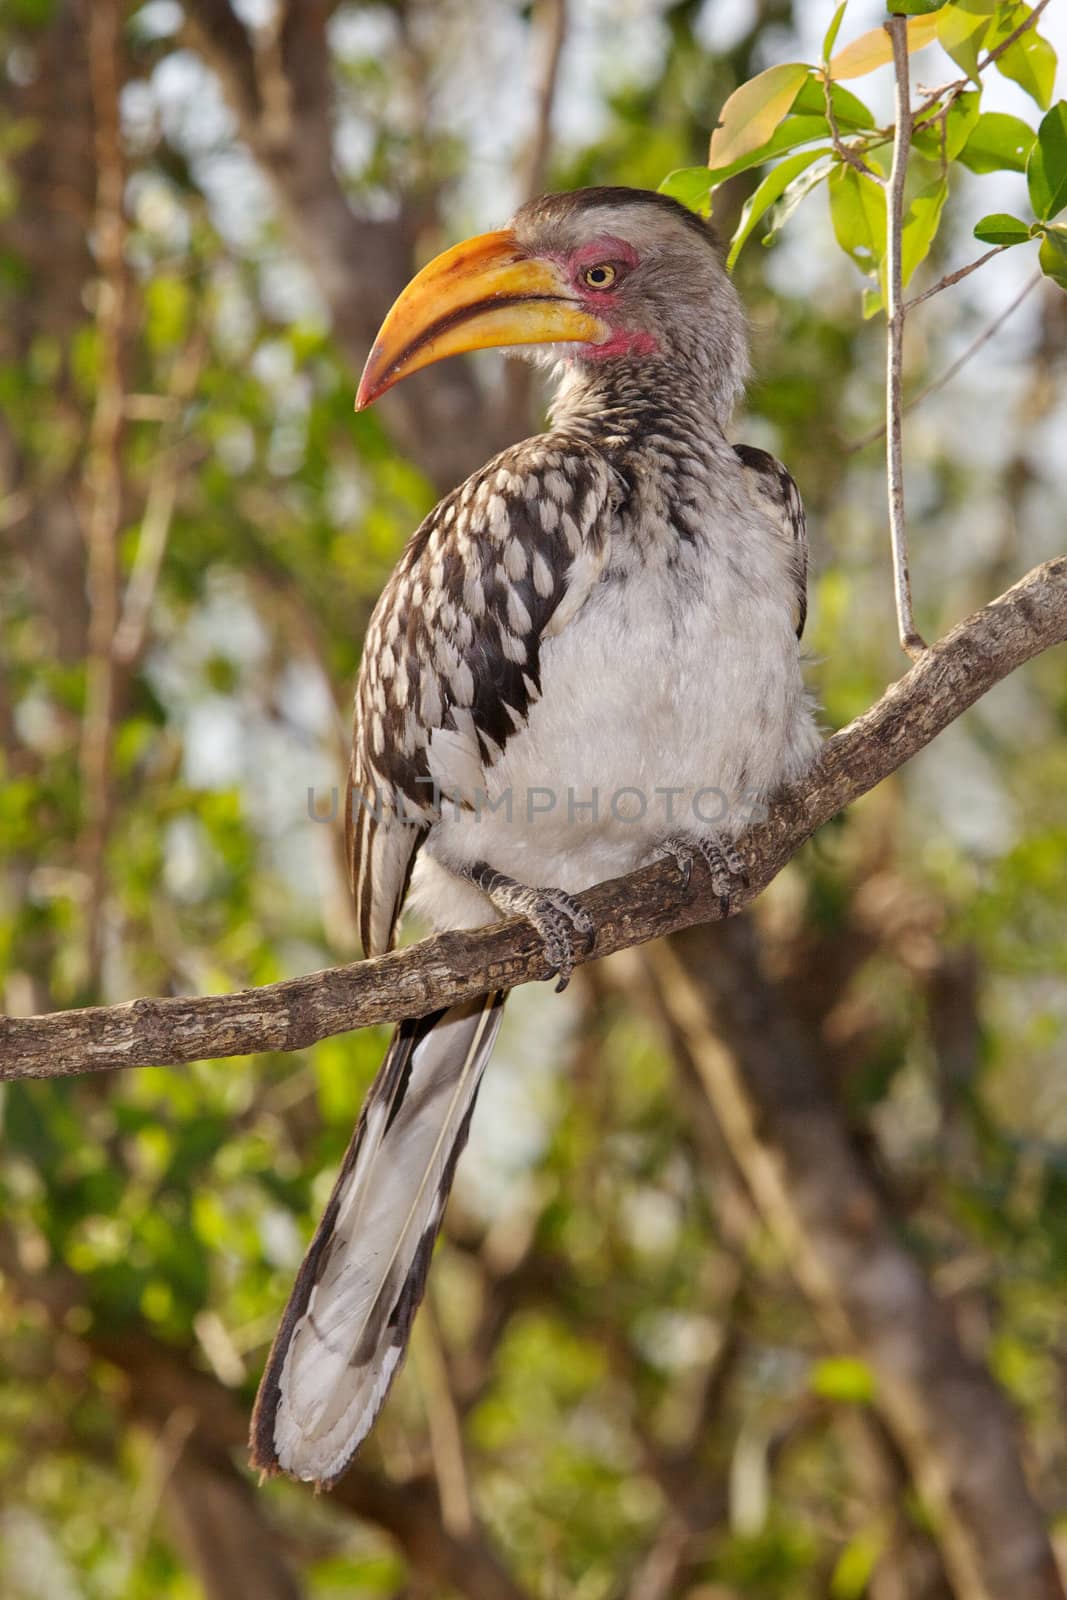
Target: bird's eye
602, 276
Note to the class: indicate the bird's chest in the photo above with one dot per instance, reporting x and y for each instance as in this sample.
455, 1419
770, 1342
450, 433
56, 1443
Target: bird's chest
664, 707
639, 689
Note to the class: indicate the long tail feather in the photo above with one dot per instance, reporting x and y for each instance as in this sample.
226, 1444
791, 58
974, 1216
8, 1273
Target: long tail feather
346, 1327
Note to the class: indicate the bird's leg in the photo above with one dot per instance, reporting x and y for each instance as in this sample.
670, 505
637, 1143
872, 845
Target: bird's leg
556, 915
723, 860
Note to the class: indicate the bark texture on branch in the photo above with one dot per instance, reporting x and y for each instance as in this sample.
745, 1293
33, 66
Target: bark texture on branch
291, 1015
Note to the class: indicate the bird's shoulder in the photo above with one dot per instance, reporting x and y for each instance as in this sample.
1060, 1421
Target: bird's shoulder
773, 489
458, 627
453, 648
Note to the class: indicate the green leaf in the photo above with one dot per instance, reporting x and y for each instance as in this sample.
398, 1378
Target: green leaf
790, 133
168, 308
1030, 61
857, 1562
875, 49
962, 30
830, 37
913, 8
753, 111
1053, 256
1046, 170
872, 301
771, 189
849, 110
999, 143
857, 211
1001, 228
793, 194
691, 186
921, 223
959, 121
842, 1378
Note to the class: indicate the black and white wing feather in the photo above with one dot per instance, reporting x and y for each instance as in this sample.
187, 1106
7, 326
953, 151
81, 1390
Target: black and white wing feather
453, 649
774, 489
346, 1327
453, 654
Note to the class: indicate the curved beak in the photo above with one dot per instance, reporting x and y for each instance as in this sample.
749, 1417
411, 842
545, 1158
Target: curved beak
480, 294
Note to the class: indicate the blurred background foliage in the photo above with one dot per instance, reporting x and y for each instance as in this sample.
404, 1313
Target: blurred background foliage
617, 1387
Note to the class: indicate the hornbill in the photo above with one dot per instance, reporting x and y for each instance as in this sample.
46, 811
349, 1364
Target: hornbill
587, 657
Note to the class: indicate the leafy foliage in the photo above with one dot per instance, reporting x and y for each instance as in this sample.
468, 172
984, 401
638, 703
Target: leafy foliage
635, 1375
791, 105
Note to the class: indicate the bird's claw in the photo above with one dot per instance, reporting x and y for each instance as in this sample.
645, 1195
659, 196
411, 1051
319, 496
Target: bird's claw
561, 923
725, 864
681, 852
553, 913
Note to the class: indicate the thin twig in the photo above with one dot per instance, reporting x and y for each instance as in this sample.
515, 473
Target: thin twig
950, 372
955, 277
911, 641
844, 151
132, 630
103, 473
442, 1420
550, 24
957, 87
1006, 44
295, 1013
550, 19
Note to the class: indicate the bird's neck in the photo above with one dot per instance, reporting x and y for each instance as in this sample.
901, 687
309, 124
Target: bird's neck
632, 398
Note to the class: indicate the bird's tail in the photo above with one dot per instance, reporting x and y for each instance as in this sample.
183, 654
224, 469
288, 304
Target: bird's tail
346, 1327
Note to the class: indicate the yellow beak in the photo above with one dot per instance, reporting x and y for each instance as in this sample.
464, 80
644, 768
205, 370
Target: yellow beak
480, 294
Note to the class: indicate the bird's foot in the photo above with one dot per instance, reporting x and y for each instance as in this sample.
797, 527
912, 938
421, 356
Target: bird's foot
564, 928
725, 864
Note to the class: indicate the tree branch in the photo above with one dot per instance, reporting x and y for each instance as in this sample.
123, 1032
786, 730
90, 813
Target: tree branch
282, 97
953, 1425
550, 18
988, 332
896, 312
104, 474
291, 1015
1006, 44
951, 278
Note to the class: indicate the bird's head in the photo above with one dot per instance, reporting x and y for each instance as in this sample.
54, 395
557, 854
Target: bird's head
605, 275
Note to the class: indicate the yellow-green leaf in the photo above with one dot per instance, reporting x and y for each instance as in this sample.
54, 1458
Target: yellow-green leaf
959, 123
691, 187
858, 214
872, 301
843, 1378
857, 1562
1000, 227
998, 143
753, 111
790, 133
874, 49
921, 223
1046, 170
830, 37
962, 30
1053, 256
772, 189
1030, 61
849, 111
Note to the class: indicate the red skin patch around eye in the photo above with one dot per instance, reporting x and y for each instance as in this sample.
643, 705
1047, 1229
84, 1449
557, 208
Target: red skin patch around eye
624, 341
603, 248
